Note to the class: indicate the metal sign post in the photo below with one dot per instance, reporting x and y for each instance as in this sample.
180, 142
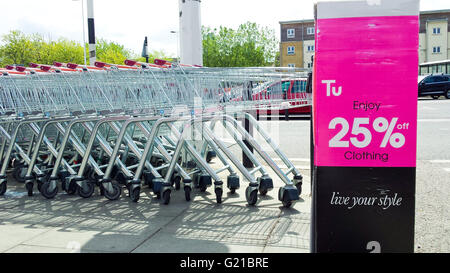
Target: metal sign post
365, 126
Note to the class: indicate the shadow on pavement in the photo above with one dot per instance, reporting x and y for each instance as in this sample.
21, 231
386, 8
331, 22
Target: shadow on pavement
98, 225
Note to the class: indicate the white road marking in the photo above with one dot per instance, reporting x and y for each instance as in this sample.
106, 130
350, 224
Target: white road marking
434, 120
292, 159
298, 167
428, 108
440, 161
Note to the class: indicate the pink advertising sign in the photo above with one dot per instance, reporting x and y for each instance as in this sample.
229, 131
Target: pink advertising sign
365, 86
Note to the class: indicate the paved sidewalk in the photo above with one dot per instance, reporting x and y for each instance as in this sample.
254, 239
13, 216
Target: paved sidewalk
72, 224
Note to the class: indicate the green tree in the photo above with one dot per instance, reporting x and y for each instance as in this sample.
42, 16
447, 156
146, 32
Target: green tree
155, 54
277, 62
17, 48
21, 49
111, 52
248, 45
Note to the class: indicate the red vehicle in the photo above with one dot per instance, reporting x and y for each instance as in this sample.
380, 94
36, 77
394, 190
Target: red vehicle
294, 91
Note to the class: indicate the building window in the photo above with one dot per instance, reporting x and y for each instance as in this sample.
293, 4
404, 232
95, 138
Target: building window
436, 30
436, 49
291, 65
291, 50
310, 48
291, 33
310, 31
309, 65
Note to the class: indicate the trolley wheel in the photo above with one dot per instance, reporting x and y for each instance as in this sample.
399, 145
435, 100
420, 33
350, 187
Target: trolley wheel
219, 193
187, 193
120, 178
299, 188
72, 187
286, 202
166, 197
102, 189
447, 95
232, 190
62, 176
263, 192
93, 176
210, 155
252, 197
435, 97
14, 162
3, 187
158, 195
177, 181
135, 194
87, 190
63, 184
29, 187
19, 172
117, 191
45, 190
115, 170
203, 189
39, 185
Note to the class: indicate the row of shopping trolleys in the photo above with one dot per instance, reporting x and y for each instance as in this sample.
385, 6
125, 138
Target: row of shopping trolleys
164, 151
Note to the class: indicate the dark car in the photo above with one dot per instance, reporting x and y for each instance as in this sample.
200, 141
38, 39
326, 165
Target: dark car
435, 86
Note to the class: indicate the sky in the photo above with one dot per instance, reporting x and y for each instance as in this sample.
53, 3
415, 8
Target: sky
128, 22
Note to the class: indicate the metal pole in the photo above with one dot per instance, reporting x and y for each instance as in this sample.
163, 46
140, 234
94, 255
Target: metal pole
178, 42
247, 162
178, 46
84, 32
91, 32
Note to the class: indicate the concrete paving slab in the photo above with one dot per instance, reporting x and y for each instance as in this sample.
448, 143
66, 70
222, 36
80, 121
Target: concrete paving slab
63, 203
172, 243
39, 249
236, 225
273, 249
102, 234
12, 235
291, 231
147, 206
39, 219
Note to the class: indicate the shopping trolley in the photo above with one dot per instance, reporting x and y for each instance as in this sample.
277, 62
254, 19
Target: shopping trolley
134, 124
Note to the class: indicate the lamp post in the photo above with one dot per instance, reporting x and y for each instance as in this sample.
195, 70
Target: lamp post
84, 32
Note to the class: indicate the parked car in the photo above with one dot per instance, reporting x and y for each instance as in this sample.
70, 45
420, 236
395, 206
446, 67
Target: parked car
435, 86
